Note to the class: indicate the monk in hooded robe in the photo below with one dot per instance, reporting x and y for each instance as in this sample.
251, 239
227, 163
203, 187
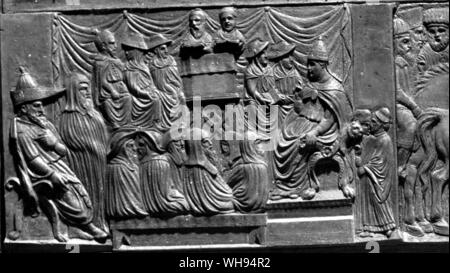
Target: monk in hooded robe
160, 195
377, 172
174, 145
123, 189
248, 179
204, 188
324, 110
164, 71
83, 130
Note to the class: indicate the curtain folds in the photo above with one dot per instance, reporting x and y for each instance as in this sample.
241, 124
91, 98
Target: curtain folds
73, 44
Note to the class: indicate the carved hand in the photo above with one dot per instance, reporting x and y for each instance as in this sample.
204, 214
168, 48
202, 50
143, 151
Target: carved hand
309, 139
297, 106
358, 161
361, 171
115, 95
48, 139
263, 100
59, 179
309, 92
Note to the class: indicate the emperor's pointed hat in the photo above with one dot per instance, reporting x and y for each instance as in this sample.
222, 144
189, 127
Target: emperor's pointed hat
318, 51
28, 90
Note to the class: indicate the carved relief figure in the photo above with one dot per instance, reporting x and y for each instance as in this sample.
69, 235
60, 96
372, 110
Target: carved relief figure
174, 145
407, 112
44, 174
123, 190
146, 108
407, 109
83, 130
248, 178
164, 71
287, 78
158, 189
435, 51
204, 188
260, 89
110, 94
228, 38
198, 41
313, 128
377, 173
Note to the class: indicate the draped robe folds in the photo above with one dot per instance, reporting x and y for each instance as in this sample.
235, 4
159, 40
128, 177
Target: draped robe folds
249, 180
159, 193
290, 160
286, 81
256, 115
405, 118
377, 159
168, 81
229, 41
177, 170
85, 135
108, 76
189, 45
146, 111
72, 200
204, 188
123, 191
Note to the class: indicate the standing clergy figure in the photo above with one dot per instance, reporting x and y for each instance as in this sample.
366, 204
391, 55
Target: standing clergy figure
83, 130
377, 172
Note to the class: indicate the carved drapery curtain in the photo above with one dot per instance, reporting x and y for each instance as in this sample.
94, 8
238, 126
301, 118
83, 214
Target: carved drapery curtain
73, 46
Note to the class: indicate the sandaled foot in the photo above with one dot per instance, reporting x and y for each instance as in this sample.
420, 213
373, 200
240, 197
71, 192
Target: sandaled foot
276, 194
426, 226
61, 238
98, 234
79, 234
414, 230
365, 234
13, 235
308, 194
294, 195
440, 227
394, 234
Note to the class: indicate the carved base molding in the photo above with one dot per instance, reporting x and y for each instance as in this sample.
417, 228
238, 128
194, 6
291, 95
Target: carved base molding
248, 229
325, 220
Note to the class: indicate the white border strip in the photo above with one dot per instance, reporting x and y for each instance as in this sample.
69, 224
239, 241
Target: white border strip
310, 219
